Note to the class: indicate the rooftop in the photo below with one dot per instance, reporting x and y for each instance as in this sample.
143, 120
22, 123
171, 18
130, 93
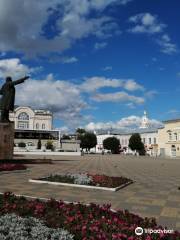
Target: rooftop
172, 120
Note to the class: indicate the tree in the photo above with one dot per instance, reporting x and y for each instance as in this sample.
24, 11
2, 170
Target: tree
135, 143
112, 143
22, 144
65, 137
39, 145
80, 131
49, 145
88, 140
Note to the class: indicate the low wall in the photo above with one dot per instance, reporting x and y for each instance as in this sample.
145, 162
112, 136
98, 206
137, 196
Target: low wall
40, 153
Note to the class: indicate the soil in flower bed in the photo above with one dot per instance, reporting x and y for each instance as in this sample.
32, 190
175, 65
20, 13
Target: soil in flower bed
92, 222
11, 167
89, 179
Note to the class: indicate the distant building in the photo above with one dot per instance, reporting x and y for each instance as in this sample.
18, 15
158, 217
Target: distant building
169, 138
148, 135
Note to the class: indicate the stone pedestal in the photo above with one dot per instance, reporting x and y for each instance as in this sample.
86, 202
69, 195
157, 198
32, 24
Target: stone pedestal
6, 140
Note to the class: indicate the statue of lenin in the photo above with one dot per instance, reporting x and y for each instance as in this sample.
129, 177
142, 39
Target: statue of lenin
8, 97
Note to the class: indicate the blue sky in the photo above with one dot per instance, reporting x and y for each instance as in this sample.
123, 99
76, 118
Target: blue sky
94, 63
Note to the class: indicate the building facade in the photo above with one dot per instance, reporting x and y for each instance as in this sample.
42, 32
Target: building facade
32, 125
169, 139
26, 118
149, 137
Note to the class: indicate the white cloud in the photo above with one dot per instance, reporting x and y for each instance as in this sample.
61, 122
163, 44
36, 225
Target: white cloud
127, 123
118, 97
69, 60
107, 68
154, 59
173, 111
131, 85
61, 97
95, 83
149, 24
101, 45
167, 46
150, 94
13, 67
22, 24
146, 23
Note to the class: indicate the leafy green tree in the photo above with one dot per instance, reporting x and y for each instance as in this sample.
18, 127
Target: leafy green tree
135, 143
22, 144
65, 137
88, 140
112, 144
49, 145
80, 131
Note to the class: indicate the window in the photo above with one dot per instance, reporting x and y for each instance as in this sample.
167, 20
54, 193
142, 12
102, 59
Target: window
170, 136
23, 121
144, 140
43, 126
149, 140
154, 140
23, 125
175, 136
23, 116
37, 125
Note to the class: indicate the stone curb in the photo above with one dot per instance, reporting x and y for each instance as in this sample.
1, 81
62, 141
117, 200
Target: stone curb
15, 171
81, 186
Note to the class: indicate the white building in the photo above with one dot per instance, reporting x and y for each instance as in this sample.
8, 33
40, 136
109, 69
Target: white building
32, 125
148, 135
28, 119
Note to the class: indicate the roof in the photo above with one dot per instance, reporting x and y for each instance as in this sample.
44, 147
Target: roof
172, 120
128, 131
36, 111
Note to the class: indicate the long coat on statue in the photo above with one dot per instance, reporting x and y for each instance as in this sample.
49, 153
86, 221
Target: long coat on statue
8, 94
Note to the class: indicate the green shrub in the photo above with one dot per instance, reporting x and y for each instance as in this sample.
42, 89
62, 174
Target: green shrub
21, 144
49, 145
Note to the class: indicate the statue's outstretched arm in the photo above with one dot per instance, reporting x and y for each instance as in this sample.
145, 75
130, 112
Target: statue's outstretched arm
21, 80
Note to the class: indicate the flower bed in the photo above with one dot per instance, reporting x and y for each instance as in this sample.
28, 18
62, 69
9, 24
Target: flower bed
87, 179
91, 222
13, 227
11, 167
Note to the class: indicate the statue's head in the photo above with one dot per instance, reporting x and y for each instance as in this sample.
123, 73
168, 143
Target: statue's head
8, 79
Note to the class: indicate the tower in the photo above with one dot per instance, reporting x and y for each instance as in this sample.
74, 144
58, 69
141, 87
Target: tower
145, 121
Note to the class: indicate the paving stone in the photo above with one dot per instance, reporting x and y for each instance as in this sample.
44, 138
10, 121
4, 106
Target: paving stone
154, 193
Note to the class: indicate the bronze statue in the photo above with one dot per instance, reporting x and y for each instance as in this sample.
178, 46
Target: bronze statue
8, 97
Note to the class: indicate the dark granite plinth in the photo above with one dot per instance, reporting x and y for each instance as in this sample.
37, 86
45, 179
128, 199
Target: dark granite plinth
6, 140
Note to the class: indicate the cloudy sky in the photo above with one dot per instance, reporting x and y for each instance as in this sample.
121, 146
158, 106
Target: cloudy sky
94, 63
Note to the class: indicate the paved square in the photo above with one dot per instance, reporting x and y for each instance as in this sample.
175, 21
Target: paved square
154, 194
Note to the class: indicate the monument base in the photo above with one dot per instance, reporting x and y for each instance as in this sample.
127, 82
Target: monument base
6, 140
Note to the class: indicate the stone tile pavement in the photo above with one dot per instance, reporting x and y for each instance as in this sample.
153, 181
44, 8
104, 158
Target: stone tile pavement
154, 194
